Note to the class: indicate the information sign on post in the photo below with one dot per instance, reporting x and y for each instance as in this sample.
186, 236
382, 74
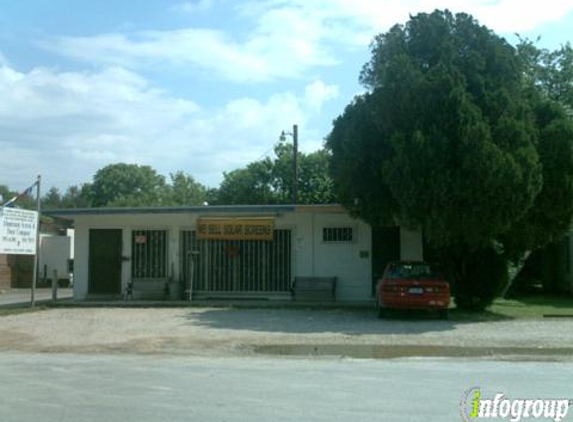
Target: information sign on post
18, 230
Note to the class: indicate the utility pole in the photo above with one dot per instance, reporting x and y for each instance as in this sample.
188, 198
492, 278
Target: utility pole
294, 164
282, 138
37, 256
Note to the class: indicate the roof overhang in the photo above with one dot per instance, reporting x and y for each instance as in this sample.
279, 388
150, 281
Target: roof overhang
72, 213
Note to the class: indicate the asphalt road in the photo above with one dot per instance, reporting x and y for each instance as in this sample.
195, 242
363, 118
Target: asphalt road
110, 388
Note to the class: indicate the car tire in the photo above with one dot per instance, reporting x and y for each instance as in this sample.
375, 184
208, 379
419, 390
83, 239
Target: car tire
443, 314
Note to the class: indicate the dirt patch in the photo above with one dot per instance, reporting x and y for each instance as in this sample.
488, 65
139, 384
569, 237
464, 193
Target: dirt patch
231, 332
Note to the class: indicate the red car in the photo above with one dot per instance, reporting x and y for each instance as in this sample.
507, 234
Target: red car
413, 285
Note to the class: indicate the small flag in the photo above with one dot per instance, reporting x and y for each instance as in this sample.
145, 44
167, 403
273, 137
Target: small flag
27, 192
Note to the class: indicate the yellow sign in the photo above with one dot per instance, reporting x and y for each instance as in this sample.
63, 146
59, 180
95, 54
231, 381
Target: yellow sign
253, 228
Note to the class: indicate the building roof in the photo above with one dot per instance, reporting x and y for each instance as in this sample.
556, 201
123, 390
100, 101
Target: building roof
204, 209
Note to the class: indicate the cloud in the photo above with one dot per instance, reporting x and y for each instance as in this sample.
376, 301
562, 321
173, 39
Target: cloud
509, 16
3, 60
356, 22
282, 45
66, 125
285, 39
192, 6
317, 93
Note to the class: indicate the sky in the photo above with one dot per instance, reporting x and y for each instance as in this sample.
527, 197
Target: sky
202, 86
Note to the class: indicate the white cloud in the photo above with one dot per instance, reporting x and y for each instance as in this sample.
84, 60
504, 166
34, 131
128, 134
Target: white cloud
317, 93
3, 60
192, 6
274, 50
519, 16
66, 125
288, 38
374, 16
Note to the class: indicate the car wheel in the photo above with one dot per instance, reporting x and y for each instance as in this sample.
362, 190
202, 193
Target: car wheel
443, 313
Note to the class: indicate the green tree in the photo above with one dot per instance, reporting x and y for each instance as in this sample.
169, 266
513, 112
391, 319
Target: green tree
270, 181
185, 191
127, 185
77, 197
5, 194
247, 186
549, 71
52, 200
130, 185
27, 201
447, 139
315, 185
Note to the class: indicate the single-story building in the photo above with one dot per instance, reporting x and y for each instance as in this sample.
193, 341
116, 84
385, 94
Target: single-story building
231, 251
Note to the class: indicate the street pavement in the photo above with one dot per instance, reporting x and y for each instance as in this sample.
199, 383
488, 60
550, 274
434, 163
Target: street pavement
22, 296
110, 388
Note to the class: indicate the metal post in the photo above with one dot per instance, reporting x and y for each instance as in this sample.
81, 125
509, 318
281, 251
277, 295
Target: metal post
191, 256
36, 256
55, 286
294, 164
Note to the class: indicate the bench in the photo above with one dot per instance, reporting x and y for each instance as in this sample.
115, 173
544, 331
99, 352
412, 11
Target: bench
314, 289
154, 289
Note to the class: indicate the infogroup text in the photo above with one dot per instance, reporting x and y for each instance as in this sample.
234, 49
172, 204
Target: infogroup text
474, 406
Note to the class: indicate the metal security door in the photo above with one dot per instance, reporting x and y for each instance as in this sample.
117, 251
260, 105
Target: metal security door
104, 271
149, 255
238, 266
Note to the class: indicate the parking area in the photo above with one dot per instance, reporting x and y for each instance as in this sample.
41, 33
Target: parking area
231, 332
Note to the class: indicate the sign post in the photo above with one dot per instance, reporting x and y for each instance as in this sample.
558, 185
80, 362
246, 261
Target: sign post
37, 254
20, 232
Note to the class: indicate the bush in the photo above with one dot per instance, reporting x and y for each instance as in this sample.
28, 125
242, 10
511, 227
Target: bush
476, 277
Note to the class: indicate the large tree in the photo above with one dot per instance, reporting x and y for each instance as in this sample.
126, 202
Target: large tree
550, 71
185, 190
270, 180
452, 138
127, 185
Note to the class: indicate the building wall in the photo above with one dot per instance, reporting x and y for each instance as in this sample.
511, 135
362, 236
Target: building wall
21, 270
349, 261
54, 254
5, 273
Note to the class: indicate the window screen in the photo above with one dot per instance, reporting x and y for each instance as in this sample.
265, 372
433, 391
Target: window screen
337, 234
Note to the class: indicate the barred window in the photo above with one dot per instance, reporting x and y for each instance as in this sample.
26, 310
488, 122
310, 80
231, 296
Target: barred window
337, 234
149, 250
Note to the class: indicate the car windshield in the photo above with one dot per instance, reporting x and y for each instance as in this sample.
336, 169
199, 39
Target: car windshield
413, 271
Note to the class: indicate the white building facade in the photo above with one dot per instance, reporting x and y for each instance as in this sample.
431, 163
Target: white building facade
231, 251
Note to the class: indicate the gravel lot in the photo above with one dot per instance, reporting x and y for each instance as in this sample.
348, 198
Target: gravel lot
224, 331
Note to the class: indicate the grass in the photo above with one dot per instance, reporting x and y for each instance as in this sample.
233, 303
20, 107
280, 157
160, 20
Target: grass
534, 306
527, 307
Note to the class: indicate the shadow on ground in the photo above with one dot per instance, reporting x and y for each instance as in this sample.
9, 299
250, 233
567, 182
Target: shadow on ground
334, 321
